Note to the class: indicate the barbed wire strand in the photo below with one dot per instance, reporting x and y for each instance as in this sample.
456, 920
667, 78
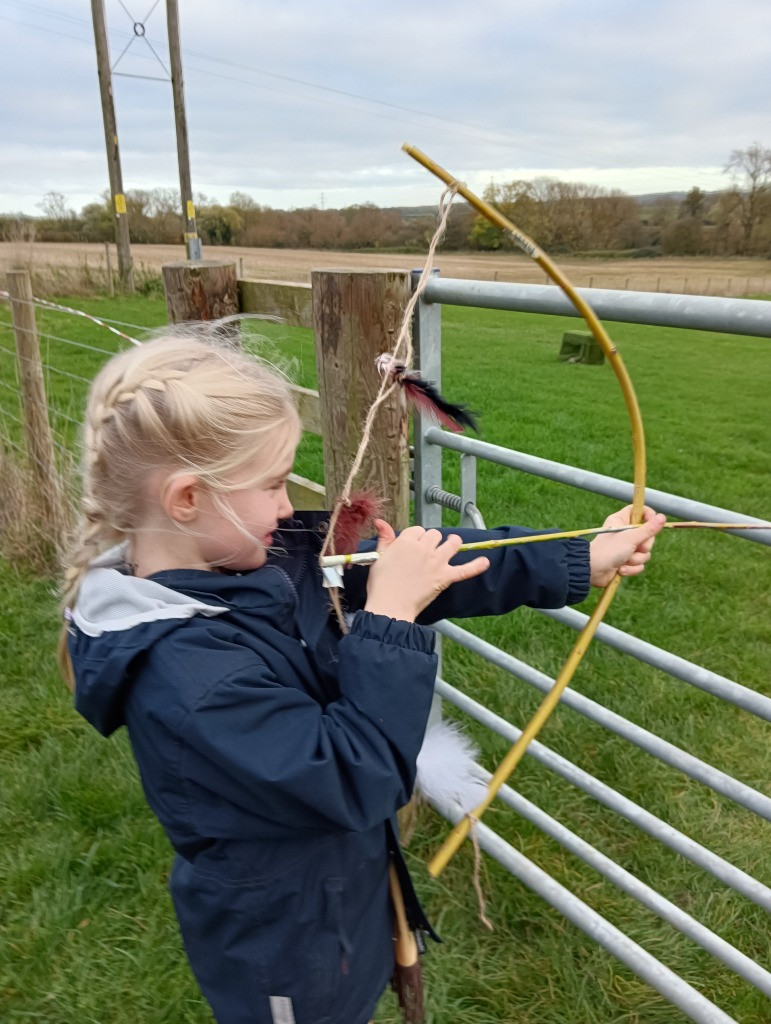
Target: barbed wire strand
68, 309
13, 444
10, 415
77, 344
65, 416
65, 373
60, 413
32, 458
105, 319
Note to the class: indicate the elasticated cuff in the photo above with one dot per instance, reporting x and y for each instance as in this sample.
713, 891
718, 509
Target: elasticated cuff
578, 565
410, 635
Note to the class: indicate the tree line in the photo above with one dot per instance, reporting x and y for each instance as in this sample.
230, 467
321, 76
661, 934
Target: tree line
561, 216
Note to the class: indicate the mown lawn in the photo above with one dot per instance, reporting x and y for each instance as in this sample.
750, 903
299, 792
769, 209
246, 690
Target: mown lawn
87, 931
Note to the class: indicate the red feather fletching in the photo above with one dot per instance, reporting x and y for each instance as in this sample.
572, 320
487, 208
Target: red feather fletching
355, 517
425, 396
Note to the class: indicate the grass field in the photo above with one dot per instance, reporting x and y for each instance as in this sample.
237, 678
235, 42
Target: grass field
87, 932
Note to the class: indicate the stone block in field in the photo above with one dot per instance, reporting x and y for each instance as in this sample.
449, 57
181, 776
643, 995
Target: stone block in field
580, 347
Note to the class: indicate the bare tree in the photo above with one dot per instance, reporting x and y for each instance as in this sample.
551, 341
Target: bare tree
750, 170
54, 207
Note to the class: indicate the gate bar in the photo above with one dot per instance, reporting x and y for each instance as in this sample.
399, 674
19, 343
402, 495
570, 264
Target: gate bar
750, 317
697, 854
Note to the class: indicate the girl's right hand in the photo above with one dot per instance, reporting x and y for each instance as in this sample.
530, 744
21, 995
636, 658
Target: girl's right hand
413, 569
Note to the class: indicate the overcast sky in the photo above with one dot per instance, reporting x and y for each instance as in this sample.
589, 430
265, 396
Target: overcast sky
307, 102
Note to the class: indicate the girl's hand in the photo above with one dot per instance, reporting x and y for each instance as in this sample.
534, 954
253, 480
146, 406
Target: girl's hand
413, 569
623, 553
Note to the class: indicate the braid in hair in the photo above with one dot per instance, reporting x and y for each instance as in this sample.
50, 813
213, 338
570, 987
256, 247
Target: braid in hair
178, 402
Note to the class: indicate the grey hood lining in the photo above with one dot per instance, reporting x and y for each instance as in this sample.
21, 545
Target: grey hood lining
111, 600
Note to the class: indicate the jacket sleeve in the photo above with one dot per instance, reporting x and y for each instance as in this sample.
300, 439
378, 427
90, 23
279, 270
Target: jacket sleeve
549, 574
292, 764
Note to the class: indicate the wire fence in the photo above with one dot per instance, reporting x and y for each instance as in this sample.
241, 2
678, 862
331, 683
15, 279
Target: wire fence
49, 353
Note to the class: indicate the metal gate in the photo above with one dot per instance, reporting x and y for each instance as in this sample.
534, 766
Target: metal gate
703, 313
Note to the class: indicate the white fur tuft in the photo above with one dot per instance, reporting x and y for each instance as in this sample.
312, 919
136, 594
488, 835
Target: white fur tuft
447, 771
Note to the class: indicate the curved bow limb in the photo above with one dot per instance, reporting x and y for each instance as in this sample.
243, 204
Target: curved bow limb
528, 246
453, 842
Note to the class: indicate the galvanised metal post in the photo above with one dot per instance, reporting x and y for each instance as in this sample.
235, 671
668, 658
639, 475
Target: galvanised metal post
427, 472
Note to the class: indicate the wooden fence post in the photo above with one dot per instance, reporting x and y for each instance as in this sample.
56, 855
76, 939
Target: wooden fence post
49, 493
357, 315
200, 290
108, 267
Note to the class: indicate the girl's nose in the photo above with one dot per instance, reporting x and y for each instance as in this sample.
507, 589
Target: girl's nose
285, 509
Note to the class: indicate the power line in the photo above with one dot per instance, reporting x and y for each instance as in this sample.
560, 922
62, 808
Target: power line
478, 130
256, 85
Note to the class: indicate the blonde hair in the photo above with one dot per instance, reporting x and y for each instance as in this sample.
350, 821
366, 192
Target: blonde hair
181, 402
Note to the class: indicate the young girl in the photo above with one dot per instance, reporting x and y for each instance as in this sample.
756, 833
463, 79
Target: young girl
274, 750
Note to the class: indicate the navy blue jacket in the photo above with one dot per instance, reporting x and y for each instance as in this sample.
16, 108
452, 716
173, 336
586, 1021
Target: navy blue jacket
275, 753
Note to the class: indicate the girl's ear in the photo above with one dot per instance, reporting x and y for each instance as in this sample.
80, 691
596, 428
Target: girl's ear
181, 498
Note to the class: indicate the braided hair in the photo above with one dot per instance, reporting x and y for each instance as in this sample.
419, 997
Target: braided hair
184, 403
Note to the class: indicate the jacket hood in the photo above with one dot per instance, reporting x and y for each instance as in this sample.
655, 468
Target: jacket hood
116, 618
111, 600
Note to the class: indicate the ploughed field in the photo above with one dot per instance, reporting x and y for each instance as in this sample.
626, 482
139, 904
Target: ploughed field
695, 275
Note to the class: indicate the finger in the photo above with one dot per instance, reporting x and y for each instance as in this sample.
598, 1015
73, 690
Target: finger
624, 516
467, 570
452, 544
385, 534
621, 518
432, 538
642, 537
415, 533
638, 558
631, 570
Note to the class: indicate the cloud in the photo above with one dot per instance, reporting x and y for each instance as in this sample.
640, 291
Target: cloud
286, 101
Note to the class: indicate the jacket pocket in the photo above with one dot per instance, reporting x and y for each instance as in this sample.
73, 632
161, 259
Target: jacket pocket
334, 889
303, 949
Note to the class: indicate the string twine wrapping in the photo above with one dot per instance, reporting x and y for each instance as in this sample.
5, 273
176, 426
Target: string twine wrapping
477, 877
402, 352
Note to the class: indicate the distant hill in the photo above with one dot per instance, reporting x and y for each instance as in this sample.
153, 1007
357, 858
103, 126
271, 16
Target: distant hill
412, 212
647, 199
651, 198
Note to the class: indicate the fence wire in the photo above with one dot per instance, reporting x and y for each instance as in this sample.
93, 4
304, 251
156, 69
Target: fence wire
59, 408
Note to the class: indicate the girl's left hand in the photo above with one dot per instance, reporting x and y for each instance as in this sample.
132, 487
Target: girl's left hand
623, 553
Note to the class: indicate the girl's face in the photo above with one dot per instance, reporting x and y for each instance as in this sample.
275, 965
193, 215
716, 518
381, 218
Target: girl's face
236, 528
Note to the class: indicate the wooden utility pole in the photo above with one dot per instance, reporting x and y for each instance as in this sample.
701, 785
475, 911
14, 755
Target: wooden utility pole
125, 268
192, 241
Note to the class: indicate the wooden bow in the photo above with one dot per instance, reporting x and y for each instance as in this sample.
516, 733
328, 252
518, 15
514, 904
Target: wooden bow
528, 246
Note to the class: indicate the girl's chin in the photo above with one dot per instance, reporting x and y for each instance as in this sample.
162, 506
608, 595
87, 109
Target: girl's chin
245, 562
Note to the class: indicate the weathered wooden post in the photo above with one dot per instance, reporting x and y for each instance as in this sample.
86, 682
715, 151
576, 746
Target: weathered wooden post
357, 315
108, 267
48, 491
200, 289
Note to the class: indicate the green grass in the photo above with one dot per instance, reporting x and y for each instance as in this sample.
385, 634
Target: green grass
87, 931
